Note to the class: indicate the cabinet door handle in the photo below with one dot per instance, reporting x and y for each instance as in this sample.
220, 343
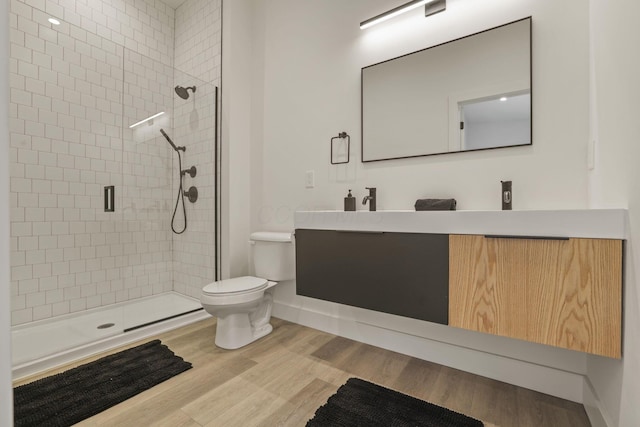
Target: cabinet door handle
359, 232
499, 236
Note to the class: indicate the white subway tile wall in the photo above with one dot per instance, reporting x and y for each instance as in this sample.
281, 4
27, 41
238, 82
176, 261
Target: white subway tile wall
75, 89
198, 35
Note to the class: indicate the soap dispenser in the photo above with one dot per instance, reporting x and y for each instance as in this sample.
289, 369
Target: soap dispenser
349, 202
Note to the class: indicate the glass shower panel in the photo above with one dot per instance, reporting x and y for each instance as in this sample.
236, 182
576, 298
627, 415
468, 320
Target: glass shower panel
147, 166
71, 147
164, 108
68, 148
195, 127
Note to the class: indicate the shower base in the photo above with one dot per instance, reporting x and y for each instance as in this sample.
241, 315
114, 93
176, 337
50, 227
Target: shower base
44, 344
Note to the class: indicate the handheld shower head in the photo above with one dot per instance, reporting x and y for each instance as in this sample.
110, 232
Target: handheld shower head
171, 142
183, 92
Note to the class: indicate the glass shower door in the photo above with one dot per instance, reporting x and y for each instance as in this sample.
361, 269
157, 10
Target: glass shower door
168, 190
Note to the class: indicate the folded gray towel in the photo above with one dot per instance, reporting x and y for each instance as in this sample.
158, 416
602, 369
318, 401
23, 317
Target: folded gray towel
435, 205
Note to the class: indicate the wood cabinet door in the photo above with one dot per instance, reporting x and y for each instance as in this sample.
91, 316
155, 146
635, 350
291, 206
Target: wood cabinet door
575, 294
566, 292
486, 287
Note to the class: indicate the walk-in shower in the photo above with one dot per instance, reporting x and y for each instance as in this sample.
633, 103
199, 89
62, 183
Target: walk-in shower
88, 116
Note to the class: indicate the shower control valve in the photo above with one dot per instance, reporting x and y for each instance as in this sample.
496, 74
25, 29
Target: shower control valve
192, 194
191, 171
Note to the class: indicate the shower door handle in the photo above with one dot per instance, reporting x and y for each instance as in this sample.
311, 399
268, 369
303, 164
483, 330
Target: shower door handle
109, 198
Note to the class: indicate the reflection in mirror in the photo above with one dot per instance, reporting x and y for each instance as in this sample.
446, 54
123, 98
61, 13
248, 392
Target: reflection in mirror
413, 105
502, 121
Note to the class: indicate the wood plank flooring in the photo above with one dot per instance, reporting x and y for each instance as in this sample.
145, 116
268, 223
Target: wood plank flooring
283, 378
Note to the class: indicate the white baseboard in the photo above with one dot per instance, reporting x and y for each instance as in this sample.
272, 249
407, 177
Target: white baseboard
533, 376
596, 413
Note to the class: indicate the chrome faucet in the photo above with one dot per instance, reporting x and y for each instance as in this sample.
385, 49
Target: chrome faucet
371, 198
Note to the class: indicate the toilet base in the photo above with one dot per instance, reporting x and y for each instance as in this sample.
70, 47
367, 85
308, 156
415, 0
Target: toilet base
235, 330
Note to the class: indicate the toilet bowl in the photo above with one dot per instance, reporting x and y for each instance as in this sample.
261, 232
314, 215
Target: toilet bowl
242, 307
243, 304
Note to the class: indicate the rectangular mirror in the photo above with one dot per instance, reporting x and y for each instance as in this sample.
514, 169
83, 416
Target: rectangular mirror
473, 93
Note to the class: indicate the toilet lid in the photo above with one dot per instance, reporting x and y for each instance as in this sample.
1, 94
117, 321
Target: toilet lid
235, 285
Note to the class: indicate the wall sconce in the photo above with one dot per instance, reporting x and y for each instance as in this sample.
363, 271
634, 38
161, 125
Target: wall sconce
431, 8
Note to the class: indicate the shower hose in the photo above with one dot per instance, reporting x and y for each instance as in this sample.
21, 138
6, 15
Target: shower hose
179, 198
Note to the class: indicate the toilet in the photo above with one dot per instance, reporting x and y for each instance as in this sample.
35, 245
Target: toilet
243, 304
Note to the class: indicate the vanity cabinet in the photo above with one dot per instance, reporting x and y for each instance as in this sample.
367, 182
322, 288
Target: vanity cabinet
561, 292
398, 273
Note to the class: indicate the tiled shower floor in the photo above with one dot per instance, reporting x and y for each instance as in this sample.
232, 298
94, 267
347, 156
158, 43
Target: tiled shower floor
52, 337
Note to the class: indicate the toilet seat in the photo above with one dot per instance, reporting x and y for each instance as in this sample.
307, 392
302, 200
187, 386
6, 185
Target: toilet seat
235, 286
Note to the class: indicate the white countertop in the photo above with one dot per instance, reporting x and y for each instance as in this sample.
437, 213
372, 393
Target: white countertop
586, 223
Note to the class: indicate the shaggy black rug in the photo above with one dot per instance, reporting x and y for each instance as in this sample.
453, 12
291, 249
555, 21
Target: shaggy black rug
361, 403
72, 396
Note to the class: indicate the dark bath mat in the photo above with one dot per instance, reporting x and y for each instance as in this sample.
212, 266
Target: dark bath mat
361, 403
72, 396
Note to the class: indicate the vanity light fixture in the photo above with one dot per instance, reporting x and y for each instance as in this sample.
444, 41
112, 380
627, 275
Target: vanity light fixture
54, 21
431, 8
146, 120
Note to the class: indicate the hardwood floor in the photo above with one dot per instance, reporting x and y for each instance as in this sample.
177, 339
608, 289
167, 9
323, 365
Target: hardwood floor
283, 378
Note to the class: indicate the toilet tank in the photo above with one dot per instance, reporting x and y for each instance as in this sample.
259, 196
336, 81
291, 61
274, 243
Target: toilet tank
273, 255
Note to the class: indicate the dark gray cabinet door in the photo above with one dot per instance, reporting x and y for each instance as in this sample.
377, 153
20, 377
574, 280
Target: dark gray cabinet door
398, 273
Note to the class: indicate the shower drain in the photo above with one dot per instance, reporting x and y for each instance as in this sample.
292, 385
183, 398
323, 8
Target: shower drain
106, 325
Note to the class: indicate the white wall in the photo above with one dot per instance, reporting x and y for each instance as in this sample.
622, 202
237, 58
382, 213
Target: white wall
237, 125
312, 92
6, 396
615, 182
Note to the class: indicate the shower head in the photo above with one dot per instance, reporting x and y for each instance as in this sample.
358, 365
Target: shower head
183, 92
